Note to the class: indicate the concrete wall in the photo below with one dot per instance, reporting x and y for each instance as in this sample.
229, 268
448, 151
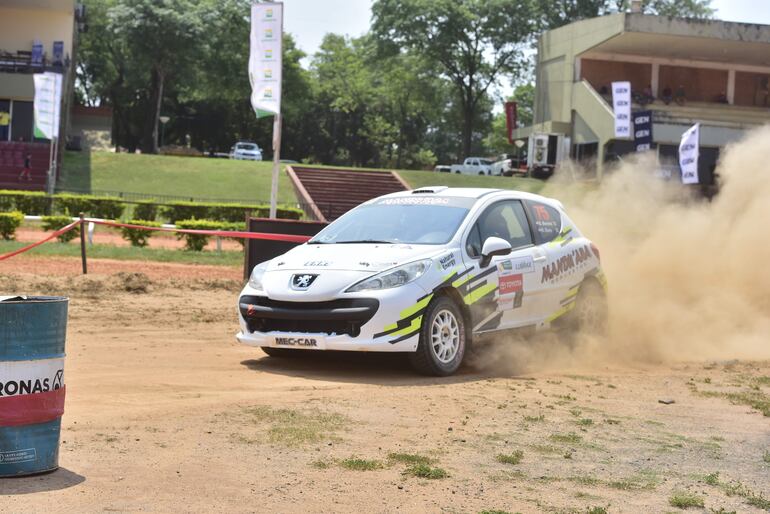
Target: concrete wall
700, 84
20, 27
751, 89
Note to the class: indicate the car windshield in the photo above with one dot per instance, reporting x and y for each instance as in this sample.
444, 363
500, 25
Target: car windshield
407, 220
245, 146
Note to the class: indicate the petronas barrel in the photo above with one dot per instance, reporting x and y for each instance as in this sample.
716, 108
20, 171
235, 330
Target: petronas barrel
32, 335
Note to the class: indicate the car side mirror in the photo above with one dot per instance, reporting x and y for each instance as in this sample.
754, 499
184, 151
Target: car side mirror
493, 246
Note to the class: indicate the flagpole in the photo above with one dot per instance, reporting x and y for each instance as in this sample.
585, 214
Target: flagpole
276, 165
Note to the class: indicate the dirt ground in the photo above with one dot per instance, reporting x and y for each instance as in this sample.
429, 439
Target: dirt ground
166, 412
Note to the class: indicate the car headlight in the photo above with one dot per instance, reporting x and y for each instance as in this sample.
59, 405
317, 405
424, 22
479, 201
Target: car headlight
255, 280
394, 277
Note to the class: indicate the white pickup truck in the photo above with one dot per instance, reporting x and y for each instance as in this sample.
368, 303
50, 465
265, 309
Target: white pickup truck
473, 166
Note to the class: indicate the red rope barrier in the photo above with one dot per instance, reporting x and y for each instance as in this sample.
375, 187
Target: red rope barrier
221, 233
48, 238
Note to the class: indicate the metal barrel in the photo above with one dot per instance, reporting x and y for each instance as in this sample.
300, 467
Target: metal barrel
32, 335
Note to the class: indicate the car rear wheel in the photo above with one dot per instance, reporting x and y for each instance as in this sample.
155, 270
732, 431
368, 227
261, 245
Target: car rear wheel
591, 311
442, 339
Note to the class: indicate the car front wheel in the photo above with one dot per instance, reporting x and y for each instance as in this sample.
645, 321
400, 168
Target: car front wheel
442, 344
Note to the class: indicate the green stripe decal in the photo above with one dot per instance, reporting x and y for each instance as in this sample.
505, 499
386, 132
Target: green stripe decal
415, 325
477, 294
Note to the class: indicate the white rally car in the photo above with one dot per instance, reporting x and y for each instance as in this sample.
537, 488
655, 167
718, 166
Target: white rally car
424, 272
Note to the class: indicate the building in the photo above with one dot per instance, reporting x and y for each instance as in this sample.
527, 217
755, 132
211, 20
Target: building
722, 68
35, 36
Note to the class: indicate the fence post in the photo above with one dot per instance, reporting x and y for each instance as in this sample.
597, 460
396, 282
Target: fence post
83, 244
246, 246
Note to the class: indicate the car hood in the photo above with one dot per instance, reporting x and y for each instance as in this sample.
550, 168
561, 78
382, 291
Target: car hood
352, 257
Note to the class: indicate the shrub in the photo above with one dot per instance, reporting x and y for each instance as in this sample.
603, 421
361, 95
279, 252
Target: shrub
231, 212
66, 203
137, 236
104, 207
57, 222
107, 208
197, 242
28, 202
9, 222
184, 211
146, 210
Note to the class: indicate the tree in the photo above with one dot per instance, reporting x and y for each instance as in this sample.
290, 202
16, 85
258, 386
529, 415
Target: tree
473, 41
165, 36
555, 13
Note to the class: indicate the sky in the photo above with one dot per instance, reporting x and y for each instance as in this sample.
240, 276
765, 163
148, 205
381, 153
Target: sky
309, 20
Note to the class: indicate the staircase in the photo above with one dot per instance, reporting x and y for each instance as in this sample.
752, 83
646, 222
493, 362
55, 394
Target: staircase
12, 157
328, 193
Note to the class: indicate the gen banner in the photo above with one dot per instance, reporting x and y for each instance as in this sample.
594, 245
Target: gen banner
688, 154
47, 105
621, 106
642, 130
265, 58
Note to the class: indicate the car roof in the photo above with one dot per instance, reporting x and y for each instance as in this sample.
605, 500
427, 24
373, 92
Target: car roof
475, 192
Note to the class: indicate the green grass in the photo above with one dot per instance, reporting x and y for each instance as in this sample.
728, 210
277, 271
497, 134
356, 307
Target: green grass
291, 427
409, 458
129, 253
510, 458
766, 456
426, 471
756, 399
685, 500
571, 438
224, 179
356, 464
196, 177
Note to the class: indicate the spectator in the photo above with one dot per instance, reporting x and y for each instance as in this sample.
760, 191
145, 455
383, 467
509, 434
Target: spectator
27, 171
722, 98
680, 97
5, 122
667, 95
647, 96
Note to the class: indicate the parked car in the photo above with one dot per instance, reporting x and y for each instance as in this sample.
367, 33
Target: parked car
503, 166
244, 150
473, 166
425, 272
443, 168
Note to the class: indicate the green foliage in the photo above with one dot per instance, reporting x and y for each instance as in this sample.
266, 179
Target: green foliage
103, 207
221, 211
9, 222
146, 210
28, 202
510, 458
426, 471
137, 236
57, 222
197, 242
555, 13
685, 500
356, 464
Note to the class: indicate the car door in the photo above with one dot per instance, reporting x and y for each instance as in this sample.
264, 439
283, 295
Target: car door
555, 259
497, 293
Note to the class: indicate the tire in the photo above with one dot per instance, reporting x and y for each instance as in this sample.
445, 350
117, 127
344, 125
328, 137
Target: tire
284, 353
590, 314
442, 345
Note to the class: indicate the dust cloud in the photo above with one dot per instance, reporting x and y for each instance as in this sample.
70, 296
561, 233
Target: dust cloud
689, 280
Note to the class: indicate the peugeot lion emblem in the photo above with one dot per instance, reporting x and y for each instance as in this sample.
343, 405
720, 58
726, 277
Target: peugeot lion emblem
302, 281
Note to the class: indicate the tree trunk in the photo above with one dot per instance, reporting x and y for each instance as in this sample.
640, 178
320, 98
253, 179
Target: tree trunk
150, 140
467, 129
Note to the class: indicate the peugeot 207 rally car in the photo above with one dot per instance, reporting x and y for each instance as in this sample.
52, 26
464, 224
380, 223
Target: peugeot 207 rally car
424, 272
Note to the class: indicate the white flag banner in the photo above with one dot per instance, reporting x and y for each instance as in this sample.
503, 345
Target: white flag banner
265, 58
621, 106
47, 104
689, 150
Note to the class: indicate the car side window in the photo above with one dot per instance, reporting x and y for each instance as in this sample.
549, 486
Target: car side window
473, 244
505, 220
546, 221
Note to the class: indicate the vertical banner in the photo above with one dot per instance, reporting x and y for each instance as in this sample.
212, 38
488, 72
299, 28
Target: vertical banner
621, 106
510, 119
47, 104
265, 58
58, 53
642, 130
689, 150
37, 53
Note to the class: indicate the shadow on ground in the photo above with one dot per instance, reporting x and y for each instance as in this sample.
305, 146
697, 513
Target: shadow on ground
391, 369
62, 478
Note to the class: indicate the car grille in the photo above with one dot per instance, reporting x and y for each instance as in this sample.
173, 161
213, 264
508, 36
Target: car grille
333, 317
